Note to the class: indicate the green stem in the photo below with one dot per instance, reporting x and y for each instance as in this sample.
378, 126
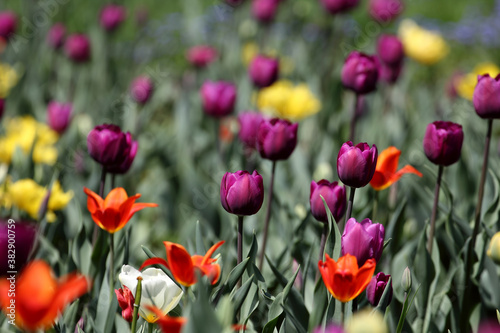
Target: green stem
101, 193
112, 263
240, 243
434, 210
137, 303
348, 214
150, 327
268, 217
354, 118
375, 206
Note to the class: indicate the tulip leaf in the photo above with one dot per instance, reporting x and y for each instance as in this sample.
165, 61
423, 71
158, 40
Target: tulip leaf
121, 324
232, 279
395, 226
250, 304
241, 294
385, 299
296, 323
163, 268
275, 314
320, 305
106, 307
70, 313
334, 237
200, 246
386, 243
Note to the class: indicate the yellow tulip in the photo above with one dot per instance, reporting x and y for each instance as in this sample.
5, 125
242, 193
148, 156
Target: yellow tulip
466, 84
367, 322
424, 46
8, 79
494, 248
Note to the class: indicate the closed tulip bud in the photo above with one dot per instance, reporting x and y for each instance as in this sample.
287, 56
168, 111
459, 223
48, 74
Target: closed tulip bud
335, 198
339, 6
486, 96
249, 127
201, 55
242, 193
360, 73
385, 10
264, 10
406, 280
55, 36
58, 116
376, 288
25, 234
263, 71
141, 89
77, 48
8, 24
494, 248
356, 164
390, 74
390, 50
218, 98
443, 142
364, 240
129, 158
108, 145
276, 139
112, 16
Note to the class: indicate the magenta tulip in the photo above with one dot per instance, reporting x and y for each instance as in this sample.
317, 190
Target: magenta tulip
385, 10
201, 55
24, 237
58, 116
242, 193
8, 24
263, 71
390, 50
276, 139
108, 145
364, 240
264, 10
356, 164
112, 16
390, 74
486, 96
249, 127
77, 48
218, 98
335, 197
2, 106
360, 73
339, 6
55, 36
376, 288
443, 142
141, 89
129, 157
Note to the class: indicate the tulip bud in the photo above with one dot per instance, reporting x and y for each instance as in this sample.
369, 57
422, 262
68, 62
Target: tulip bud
390, 50
77, 48
2, 107
129, 158
126, 302
201, 55
356, 164
249, 127
112, 16
406, 280
263, 71
8, 24
364, 240
376, 288
494, 248
218, 98
58, 116
24, 237
276, 139
360, 73
55, 36
141, 89
385, 10
264, 10
443, 142
339, 6
390, 74
486, 96
335, 198
108, 145
242, 193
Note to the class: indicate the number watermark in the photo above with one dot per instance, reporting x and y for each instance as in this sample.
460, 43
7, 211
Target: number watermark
11, 273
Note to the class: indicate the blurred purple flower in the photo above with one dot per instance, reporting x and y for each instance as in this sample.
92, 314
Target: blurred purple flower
376, 288
141, 89
201, 55
360, 72
8, 24
25, 234
356, 164
339, 6
112, 16
443, 142
264, 10
218, 98
276, 139
385, 10
263, 71
77, 48
249, 127
55, 36
242, 193
335, 197
58, 116
486, 97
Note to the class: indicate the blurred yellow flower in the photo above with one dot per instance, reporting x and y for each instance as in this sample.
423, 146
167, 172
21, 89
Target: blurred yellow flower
8, 79
466, 84
285, 100
494, 248
248, 52
251, 49
26, 133
28, 196
424, 46
367, 322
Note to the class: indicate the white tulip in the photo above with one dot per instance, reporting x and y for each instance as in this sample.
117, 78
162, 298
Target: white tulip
158, 290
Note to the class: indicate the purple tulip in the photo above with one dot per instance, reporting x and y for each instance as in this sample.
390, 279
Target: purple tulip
141, 89
335, 197
77, 48
360, 72
390, 74
264, 10
339, 6
58, 116
55, 36
486, 97
112, 16
108, 145
356, 164
276, 138
24, 238
218, 98
129, 158
385, 10
364, 240
489, 326
390, 50
8, 24
201, 55
332, 328
263, 71
2, 106
376, 288
443, 142
242, 193
249, 127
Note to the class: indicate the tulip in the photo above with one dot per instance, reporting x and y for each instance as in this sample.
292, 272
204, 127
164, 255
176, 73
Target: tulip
385, 172
2, 107
339, 6
486, 96
183, 265
364, 240
218, 98
344, 279
390, 74
39, 297
113, 213
356, 164
489, 326
263, 71
112, 16
77, 48
55, 36
443, 142
201, 55
332, 328
376, 288
141, 89
127, 163
385, 10
169, 324
494, 248
25, 234
80, 326
465, 84
242, 193
108, 145
158, 290
8, 24
264, 10
360, 73
249, 127
58, 116
390, 50
367, 321
276, 139
406, 280
126, 302
335, 198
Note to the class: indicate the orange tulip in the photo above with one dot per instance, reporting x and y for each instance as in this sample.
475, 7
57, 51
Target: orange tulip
385, 171
168, 324
112, 213
182, 265
343, 279
34, 299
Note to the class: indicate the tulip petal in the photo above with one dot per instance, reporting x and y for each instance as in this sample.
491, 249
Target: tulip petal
388, 159
94, 201
116, 198
210, 252
154, 261
140, 206
209, 268
180, 263
167, 323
